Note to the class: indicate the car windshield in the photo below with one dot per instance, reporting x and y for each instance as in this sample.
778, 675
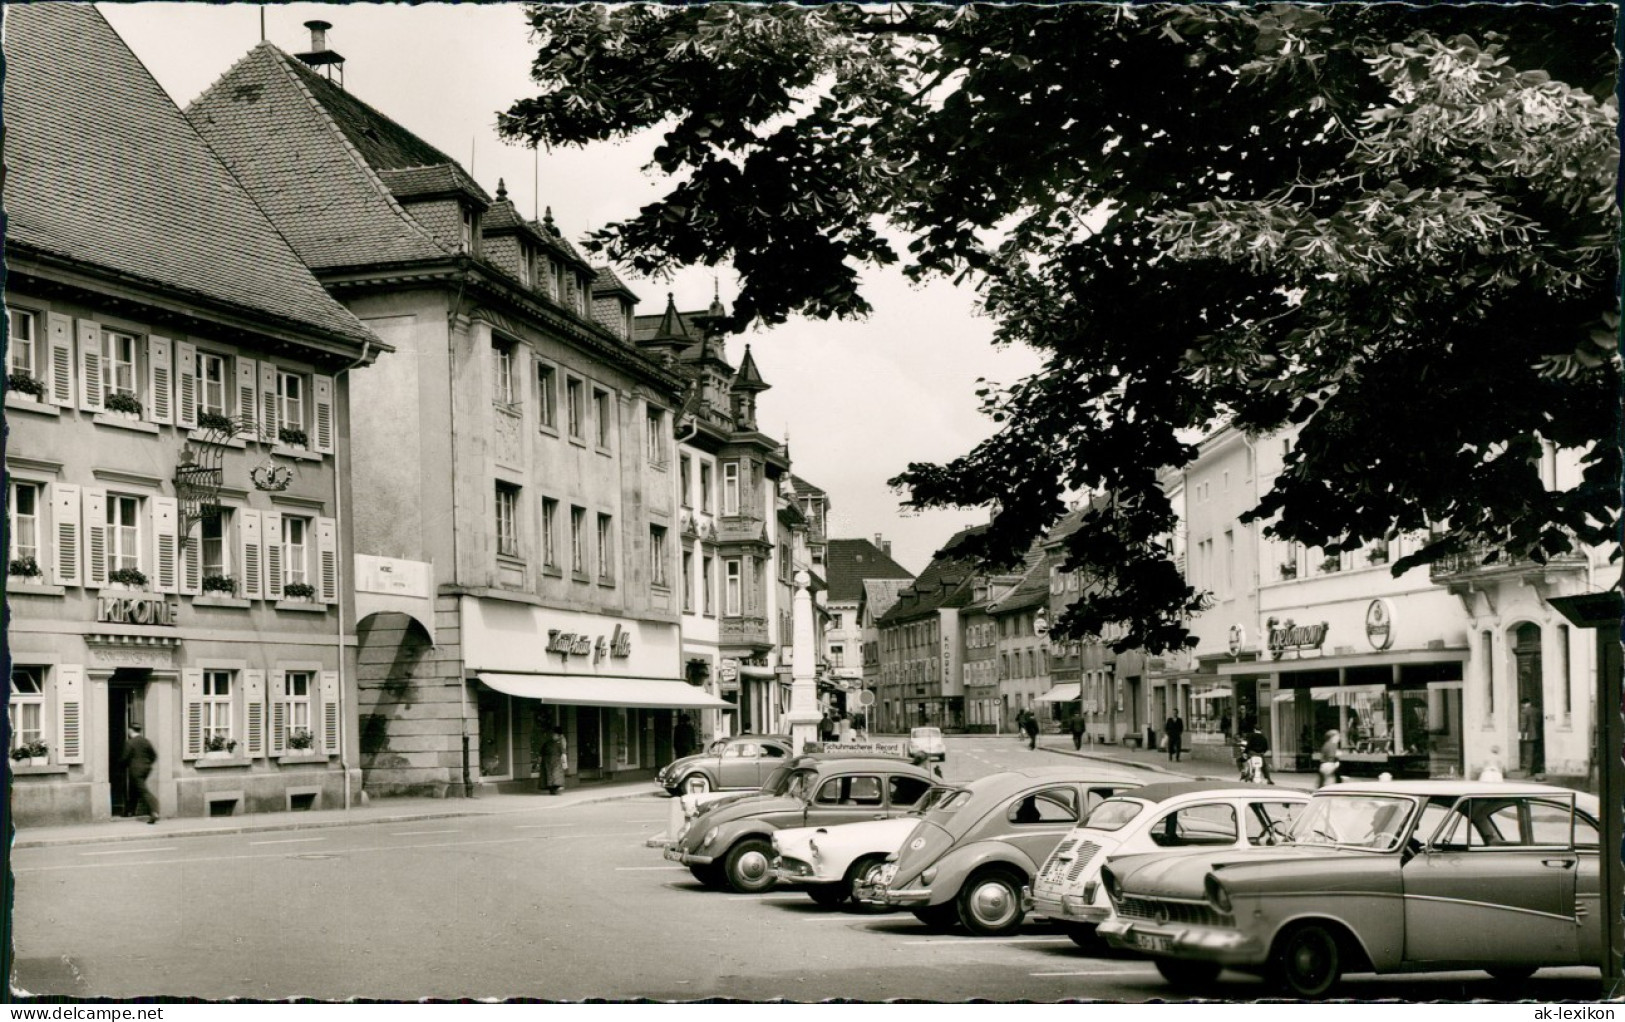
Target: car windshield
952, 799
716, 747
925, 732
932, 799
800, 784
1376, 822
1113, 813
777, 782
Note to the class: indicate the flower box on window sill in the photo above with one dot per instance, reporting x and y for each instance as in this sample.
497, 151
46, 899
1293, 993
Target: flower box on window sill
29, 403
36, 767
295, 756
205, 436
302, 605
216, 760
124, 420
16, 586
219, 600
295, 453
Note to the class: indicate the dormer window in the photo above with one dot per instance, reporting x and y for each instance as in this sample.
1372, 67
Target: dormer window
470, 230
525, 257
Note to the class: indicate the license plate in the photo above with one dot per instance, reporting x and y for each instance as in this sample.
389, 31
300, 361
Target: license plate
1152, 942
886, 874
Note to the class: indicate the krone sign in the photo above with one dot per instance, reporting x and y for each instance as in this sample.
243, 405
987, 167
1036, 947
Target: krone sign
121, 610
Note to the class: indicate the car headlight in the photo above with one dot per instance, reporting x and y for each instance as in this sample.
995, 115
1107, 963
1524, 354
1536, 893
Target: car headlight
1108, 880
710, 836
1217, 896
929, 875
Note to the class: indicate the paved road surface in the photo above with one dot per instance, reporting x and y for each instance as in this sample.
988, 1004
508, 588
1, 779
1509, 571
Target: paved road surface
557, 903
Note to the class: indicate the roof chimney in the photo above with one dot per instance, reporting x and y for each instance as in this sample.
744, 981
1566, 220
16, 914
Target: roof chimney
320, 56
883, 544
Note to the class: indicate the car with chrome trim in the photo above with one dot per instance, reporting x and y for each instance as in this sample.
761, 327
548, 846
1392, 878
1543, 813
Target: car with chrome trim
927, 743
973, 851
827, 862
1166, 816
737, 763
731, 845
1395, 876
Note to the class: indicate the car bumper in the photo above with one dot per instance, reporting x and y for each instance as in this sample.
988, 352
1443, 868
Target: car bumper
1066, 908
689, 858
897, 899
1227, 947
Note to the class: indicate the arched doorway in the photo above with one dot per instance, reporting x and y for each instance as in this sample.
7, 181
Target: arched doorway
1526, 665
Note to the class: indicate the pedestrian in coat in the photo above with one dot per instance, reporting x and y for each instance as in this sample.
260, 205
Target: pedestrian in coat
1077, 731
1031, 727
137, 760
1174, 728
1331, 758
682, 736
554, 752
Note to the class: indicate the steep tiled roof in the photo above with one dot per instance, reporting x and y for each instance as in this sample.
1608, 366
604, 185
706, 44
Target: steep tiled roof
947, 582
748, 377
605, 281
442, 179
882, 593
851, 562
1032, 590
264, 117
803, 488
103, 169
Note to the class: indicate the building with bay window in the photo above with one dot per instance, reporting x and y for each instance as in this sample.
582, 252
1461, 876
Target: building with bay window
516, 476
177, 404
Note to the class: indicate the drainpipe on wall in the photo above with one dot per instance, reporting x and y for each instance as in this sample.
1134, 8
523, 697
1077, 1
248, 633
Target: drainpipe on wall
451, 409
339, 556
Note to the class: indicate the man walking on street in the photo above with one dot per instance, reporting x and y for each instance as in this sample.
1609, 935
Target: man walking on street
137, 760
1077, 731
1174, 728
1031, 727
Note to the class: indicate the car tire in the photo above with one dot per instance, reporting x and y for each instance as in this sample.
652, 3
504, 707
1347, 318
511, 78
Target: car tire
827, 895
1307, 962
937, 917
709, 875
694, 784
748, 866
990, 903
859, 872
1514, 974
1184, 974
1084, 936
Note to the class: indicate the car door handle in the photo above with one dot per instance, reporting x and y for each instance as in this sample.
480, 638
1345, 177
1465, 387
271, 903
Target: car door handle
1558, 863
879, 816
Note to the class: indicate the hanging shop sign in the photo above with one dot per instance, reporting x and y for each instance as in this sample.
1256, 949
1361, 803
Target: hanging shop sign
1238, 639
1379, 624
569, 644
1287, 636
120, 610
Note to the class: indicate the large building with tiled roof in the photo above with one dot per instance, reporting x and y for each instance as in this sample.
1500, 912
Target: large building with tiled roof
516, 470
921, 645
849, 564
178, 402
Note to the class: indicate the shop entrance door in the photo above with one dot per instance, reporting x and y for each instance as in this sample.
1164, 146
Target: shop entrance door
126, 705
589, 742
1531, 711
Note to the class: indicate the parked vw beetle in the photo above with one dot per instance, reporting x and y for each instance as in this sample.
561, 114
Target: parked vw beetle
973, 851
1177, 815
827, 862
740, 763
927, 743
732, 844
1413, 876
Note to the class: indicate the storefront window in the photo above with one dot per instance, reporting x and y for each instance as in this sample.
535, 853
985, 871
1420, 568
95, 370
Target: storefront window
1363, 714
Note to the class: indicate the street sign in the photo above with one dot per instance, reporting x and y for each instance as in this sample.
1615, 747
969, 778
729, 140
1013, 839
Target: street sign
881, 748
866, 698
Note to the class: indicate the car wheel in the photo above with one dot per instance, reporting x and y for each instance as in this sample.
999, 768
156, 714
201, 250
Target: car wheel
708, 875
861, 871
1307, 962
696, 784
827, 895
990, 903
748, 866
1512, 973
1184, 974
1084, 936
938, 917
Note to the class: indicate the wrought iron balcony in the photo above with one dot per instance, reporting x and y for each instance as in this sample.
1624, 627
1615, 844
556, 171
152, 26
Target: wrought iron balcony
744, 631
1470, 564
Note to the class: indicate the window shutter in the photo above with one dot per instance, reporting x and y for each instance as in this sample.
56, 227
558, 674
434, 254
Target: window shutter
59, 330
192, 701
95, 533
165, 522
251, 585
186, 385
90, 365
192, 562
248, 393
160, 381
330, 712
68, 561
70, 705
327, 560
271, 529
269, 410
279, 713
254, 697
322, 389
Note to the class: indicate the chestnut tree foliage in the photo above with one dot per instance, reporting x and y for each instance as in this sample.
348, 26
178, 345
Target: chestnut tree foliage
1391, 225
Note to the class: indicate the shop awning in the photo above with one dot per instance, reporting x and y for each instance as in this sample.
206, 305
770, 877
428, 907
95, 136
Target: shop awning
1211, 693
1060, 694
649, 692
759, 673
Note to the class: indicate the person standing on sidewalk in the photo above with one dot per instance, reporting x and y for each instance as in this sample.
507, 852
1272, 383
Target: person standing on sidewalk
1331, 758
1174, 728
553, 753
1077, 731
1031, 727
137, 760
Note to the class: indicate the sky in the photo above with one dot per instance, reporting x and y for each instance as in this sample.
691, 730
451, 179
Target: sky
858, 401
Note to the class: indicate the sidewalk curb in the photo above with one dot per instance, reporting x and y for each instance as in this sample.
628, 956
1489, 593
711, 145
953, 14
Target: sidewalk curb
1101, 757
145, 834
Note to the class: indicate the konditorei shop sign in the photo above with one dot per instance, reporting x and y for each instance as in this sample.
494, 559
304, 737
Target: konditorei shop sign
1288, 636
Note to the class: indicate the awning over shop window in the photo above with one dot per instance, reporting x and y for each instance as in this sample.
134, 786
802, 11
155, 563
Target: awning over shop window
649, 692
1212, 693
760, 673
1060, 694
